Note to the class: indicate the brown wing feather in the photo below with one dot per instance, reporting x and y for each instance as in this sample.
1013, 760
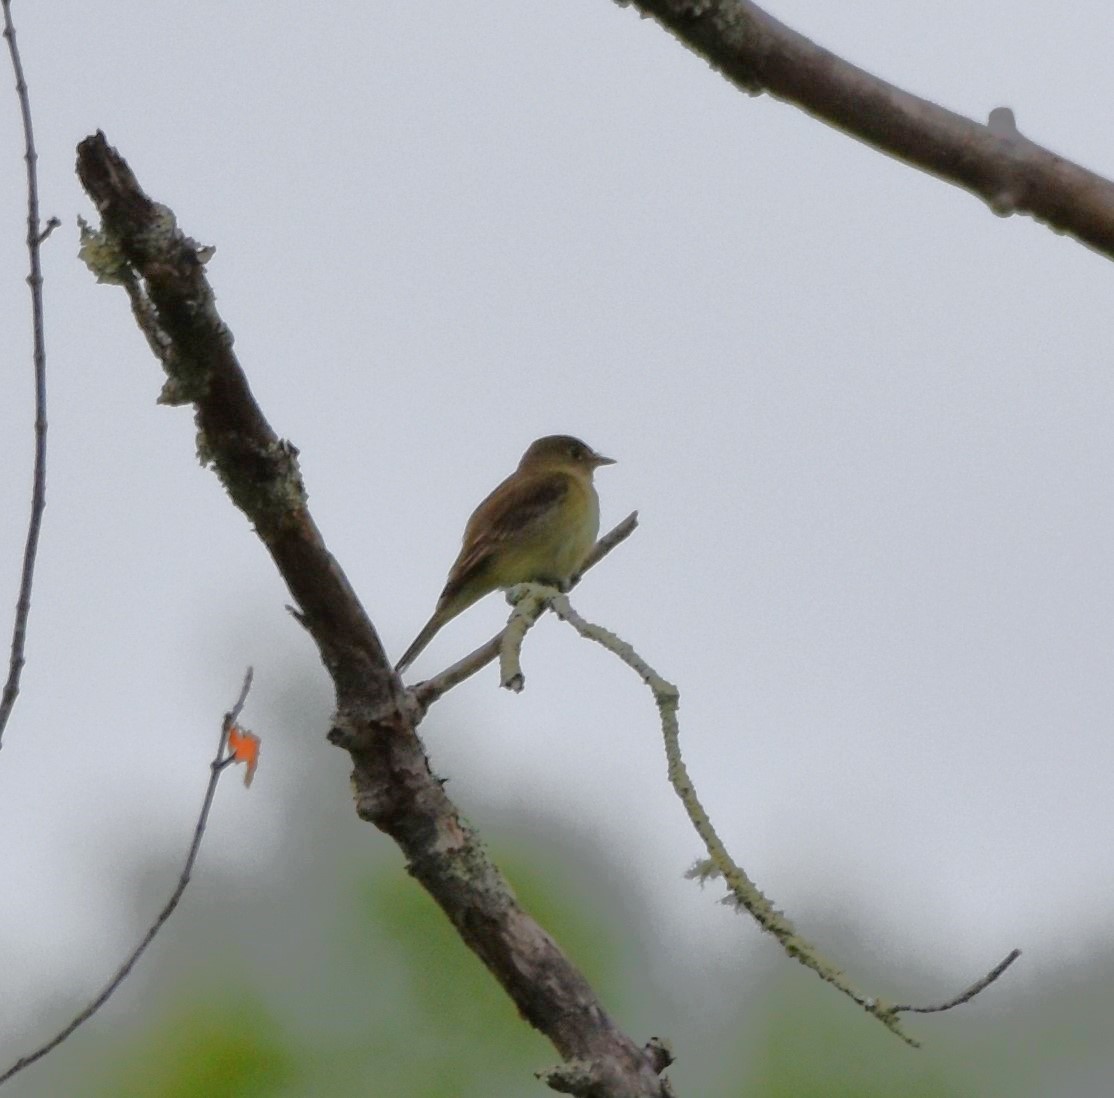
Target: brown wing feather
508, 513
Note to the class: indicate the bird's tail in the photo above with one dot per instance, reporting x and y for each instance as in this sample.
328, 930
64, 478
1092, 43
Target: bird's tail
421, 640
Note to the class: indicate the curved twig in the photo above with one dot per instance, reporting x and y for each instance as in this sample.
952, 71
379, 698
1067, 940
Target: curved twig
964, 996
743, 892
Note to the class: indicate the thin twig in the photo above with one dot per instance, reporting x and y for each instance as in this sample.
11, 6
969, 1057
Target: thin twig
216, 768
52, 223
744, 893
964, 996
35, 237
426, 693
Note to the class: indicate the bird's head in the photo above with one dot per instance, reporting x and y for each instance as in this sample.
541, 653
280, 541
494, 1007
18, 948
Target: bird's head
564, 451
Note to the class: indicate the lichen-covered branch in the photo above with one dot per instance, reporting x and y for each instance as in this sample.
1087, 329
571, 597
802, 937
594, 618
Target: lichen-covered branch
140, 245
994, 161
743, 893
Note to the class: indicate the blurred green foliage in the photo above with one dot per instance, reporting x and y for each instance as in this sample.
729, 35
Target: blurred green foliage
335, 983
429, 1022
224, 1047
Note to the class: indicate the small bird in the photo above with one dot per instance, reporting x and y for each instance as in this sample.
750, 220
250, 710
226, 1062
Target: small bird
538, 526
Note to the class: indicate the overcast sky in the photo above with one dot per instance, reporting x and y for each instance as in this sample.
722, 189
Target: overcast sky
864, 421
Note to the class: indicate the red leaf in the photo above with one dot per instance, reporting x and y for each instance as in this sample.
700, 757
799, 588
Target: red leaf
244, 746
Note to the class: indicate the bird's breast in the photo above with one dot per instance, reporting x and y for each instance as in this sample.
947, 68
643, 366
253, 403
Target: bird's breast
558, 547
580, 536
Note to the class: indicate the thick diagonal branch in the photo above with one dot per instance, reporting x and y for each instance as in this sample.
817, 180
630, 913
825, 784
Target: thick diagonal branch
141, 247
1011, 173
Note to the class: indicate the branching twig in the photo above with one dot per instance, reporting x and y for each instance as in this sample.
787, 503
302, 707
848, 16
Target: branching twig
743, 891
216, 768
426, 693
1009, 172
35, 237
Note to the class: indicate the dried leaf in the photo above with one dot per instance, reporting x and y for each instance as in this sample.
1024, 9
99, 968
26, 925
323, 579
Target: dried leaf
244, 748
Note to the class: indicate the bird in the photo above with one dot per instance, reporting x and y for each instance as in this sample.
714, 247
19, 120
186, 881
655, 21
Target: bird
538, 526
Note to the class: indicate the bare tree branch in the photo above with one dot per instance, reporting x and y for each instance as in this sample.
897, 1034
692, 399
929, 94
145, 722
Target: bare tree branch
995, 162
35, 237
141, 246
216, 768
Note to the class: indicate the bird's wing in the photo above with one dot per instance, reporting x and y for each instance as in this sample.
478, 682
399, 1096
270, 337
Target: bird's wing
516, 511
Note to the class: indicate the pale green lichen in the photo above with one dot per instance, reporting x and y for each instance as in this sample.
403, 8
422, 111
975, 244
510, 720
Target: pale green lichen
703, 871
742, 893
173, 393
101, 253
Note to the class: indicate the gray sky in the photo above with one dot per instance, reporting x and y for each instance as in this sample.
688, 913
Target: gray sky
865, 422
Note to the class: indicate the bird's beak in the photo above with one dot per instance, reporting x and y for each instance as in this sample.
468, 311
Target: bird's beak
599, 459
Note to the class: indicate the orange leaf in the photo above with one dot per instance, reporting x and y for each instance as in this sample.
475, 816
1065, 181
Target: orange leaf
244, 746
